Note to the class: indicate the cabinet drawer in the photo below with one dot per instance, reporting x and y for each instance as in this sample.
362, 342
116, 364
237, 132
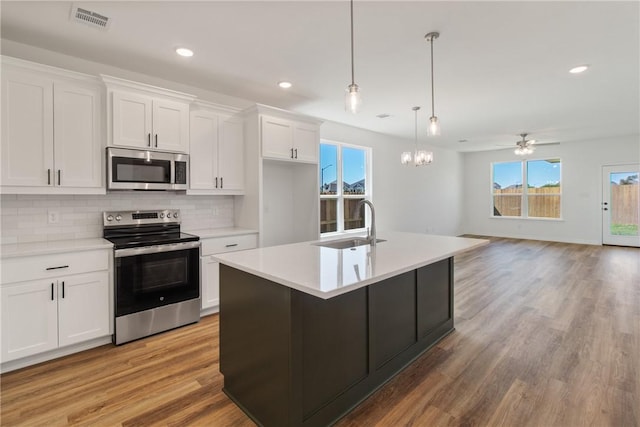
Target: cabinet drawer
229, 244
44, 266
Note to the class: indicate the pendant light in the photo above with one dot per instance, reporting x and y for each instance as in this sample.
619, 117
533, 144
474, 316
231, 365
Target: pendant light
434, 125
420, 157
353, 99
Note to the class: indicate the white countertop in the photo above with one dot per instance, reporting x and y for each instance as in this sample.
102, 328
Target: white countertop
327, 272
13, 250
208, 233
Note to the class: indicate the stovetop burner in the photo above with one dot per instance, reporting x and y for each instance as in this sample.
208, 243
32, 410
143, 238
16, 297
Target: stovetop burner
131, 229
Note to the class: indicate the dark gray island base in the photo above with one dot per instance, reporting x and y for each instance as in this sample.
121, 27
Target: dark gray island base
293, 359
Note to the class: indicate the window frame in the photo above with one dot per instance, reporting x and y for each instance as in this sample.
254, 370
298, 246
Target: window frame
524, 194
340, 196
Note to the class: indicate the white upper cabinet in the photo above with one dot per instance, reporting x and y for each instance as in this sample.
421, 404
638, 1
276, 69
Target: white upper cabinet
51, 130
216, 152
289, 139
147, 117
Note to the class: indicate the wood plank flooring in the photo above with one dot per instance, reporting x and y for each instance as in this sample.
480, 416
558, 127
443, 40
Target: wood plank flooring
547, 334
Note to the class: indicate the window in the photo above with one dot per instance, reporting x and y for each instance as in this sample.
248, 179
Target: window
348, 164
527, 189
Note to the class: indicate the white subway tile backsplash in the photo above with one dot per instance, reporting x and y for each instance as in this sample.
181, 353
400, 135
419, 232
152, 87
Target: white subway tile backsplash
24, 218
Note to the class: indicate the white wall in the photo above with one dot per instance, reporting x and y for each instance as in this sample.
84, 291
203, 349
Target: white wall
581, 190
408, 198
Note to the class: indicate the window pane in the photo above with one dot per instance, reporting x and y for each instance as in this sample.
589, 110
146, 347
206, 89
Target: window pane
507, 189
353, 171
543, 176
328, 164
328, 215
507, 178
509, 205
544, 205
624, 204
353, 217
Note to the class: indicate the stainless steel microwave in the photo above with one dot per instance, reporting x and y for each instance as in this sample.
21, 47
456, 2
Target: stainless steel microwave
129, 169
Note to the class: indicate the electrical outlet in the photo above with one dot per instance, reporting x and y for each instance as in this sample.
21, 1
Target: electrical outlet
53, 217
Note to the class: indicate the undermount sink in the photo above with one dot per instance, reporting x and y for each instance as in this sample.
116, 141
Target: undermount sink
347, 243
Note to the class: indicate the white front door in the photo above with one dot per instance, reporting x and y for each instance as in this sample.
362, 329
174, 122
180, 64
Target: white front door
620, 205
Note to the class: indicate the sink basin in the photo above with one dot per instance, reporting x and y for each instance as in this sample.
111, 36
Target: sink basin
347, 243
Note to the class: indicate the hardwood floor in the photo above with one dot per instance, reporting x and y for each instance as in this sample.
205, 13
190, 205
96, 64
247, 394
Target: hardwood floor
547, 334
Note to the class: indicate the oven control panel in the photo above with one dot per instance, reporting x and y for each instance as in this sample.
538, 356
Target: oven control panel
111, 219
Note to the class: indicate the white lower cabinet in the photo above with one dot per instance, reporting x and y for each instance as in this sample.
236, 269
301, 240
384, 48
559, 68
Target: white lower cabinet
50, 312
211, 268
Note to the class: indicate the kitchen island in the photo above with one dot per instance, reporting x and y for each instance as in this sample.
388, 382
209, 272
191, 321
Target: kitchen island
307, 332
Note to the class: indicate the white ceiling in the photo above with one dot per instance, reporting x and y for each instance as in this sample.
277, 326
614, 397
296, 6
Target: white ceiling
501, 68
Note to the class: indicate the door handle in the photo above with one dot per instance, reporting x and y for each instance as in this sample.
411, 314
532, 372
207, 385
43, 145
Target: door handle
296, 150
221, 182
292, 153
149, 139
48, 176
63, 289
156, 140
216, 182
52, 292
605, 209
59, 171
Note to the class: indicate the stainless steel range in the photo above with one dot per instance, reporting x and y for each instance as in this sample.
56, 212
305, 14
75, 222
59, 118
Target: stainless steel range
156, 272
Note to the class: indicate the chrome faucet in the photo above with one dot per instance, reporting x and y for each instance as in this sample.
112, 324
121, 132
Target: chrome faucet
371, 236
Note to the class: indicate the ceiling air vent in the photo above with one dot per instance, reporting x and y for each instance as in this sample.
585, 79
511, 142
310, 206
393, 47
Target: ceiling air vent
88, 17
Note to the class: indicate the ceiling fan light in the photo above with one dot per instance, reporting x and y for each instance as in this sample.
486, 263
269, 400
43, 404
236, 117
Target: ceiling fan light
353, 99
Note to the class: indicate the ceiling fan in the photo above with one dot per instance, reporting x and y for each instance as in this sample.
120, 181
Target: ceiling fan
526, 146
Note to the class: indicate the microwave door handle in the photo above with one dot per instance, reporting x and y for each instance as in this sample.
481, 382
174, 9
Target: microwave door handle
173, 172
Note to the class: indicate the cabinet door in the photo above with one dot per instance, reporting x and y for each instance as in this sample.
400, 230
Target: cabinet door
203, 150
231, 155
77, 136
277, 138
170, 125
83, 302
27, 129
210, 282
306, 143
29, 319
131, 120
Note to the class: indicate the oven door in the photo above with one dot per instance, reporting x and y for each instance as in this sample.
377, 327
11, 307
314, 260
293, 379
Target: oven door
154, 276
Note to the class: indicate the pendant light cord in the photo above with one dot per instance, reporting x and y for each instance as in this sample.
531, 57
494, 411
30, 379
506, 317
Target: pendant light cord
432, 88
352, 67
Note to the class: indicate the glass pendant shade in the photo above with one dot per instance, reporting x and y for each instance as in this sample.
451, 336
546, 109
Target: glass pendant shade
353, 99
405, 158
434, 126
423, 157
523, 151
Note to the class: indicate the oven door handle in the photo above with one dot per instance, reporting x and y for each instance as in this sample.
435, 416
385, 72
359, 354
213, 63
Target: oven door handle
119, 253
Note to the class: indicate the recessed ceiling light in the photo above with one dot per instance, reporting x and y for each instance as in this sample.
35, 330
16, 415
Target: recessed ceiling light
183, 51
383, 116
579, 69
285, 85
